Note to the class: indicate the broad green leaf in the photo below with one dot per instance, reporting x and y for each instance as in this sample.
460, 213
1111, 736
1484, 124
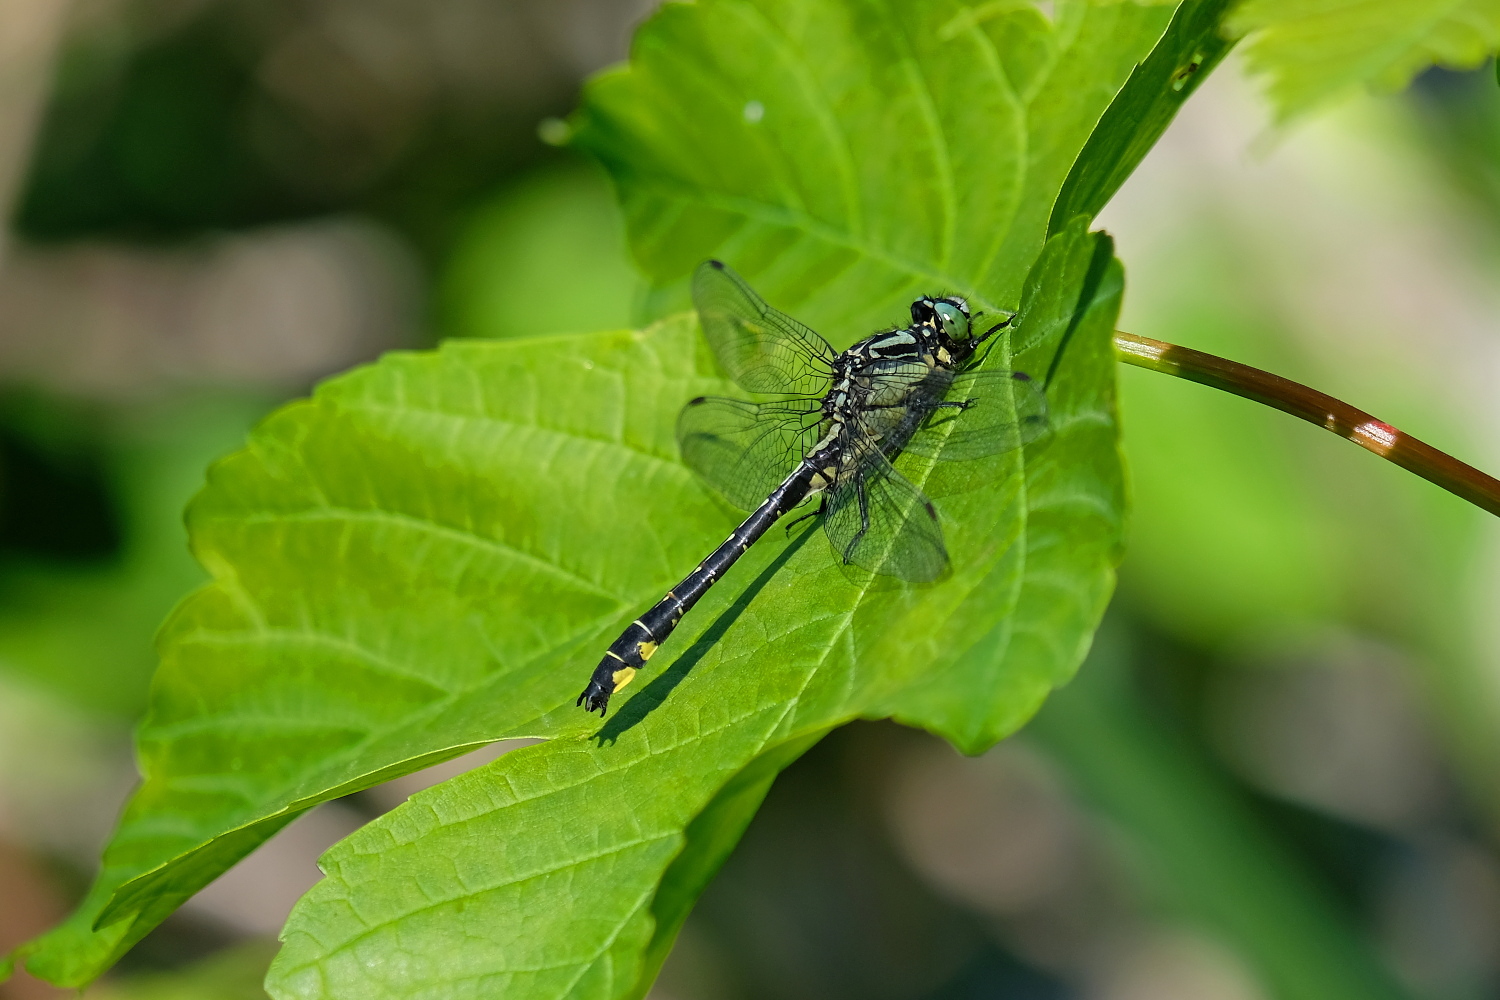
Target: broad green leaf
846, 155
1313, 51
392, 586
429, 554
547, 863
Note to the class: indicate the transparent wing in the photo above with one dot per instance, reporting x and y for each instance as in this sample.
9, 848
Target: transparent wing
899, 401
762, 349
744, 450
878, 520
999, 411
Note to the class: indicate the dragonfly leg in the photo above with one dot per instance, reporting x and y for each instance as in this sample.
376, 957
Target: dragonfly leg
864, 522
956, 404
991, 331
813, 513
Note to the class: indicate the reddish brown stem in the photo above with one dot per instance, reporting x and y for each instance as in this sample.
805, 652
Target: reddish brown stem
1318, 408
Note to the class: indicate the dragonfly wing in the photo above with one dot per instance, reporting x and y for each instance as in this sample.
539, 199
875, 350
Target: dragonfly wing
763, 350
744, 450
898, 403
878, 520
1001, 411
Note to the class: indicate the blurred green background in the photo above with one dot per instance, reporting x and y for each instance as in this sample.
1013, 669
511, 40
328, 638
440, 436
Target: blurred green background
1273, 779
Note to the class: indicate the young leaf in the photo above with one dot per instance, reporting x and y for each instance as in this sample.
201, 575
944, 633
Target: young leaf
1312, 53
845, 157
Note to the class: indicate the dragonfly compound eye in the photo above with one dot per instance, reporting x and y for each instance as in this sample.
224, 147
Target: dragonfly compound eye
953, 319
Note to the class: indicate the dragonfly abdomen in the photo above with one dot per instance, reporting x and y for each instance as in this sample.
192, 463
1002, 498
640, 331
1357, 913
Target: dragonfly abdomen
642, 637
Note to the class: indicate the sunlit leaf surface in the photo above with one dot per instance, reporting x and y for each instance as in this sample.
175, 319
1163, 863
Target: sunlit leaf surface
847, 156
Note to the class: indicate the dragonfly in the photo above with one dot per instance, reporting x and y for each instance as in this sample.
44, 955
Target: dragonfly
829, 425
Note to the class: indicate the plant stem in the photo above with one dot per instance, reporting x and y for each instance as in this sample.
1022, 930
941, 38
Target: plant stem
1318, 408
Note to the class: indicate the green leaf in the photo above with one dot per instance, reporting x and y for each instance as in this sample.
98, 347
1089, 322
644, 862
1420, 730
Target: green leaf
395, 581
547, 863
1189, 50
1314, 52
846, 156
708, 839
431, 553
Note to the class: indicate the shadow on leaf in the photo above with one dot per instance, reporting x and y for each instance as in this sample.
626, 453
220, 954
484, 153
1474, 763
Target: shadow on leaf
656, 692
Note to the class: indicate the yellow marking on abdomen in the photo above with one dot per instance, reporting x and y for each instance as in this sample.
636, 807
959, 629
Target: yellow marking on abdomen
622, 677
645, 649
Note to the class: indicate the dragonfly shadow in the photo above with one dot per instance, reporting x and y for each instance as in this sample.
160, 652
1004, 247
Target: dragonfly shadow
636, 709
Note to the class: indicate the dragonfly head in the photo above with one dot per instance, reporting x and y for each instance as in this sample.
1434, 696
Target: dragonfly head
948, 317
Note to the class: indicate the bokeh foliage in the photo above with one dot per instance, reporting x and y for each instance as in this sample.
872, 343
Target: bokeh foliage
1314, 53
